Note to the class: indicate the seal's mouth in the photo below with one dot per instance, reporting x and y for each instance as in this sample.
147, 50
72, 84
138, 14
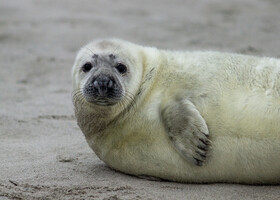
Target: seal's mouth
104, 101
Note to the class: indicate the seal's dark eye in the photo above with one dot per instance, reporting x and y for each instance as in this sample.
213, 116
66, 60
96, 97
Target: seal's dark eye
121, 68
87, 67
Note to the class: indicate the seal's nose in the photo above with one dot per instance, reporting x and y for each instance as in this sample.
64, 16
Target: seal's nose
102, 84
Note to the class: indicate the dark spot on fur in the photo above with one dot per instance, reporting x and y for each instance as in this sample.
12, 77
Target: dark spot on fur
139, 91
149, 75
112, 56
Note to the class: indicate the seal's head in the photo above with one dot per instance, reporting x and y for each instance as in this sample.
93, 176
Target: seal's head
107, 72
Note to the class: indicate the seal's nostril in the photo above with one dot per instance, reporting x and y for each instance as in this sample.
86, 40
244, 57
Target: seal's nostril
110, 84
95, 83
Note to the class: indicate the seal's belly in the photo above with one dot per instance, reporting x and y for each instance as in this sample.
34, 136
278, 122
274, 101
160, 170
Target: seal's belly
233, 159
245, 113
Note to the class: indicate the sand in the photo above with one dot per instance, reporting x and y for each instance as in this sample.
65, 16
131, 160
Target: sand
43, 154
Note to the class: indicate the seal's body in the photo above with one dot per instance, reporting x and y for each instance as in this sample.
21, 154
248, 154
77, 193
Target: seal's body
182, 116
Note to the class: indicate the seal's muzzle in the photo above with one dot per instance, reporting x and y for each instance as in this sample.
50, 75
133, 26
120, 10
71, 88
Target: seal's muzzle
103, 84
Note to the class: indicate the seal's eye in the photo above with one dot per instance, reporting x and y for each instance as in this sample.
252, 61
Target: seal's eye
87, 67
121, 68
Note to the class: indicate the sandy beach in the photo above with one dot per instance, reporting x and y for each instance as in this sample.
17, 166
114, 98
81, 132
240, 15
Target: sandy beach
43, 153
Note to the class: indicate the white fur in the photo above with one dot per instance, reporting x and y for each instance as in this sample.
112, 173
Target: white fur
237, 95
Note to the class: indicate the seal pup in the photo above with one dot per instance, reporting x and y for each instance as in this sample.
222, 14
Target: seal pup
195, 117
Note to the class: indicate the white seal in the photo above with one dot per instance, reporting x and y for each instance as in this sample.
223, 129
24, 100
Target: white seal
195, 117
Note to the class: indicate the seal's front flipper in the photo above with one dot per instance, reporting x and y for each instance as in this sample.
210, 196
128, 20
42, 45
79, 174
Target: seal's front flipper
187, 130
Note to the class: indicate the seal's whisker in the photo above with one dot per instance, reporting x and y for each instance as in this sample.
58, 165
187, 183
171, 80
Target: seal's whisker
77, 96
89, 50
117, 48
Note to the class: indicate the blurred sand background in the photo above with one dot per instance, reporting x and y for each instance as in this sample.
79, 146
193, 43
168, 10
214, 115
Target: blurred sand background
43, 154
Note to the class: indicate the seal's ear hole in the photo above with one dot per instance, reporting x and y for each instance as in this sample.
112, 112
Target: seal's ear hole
121, 68
86, 67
